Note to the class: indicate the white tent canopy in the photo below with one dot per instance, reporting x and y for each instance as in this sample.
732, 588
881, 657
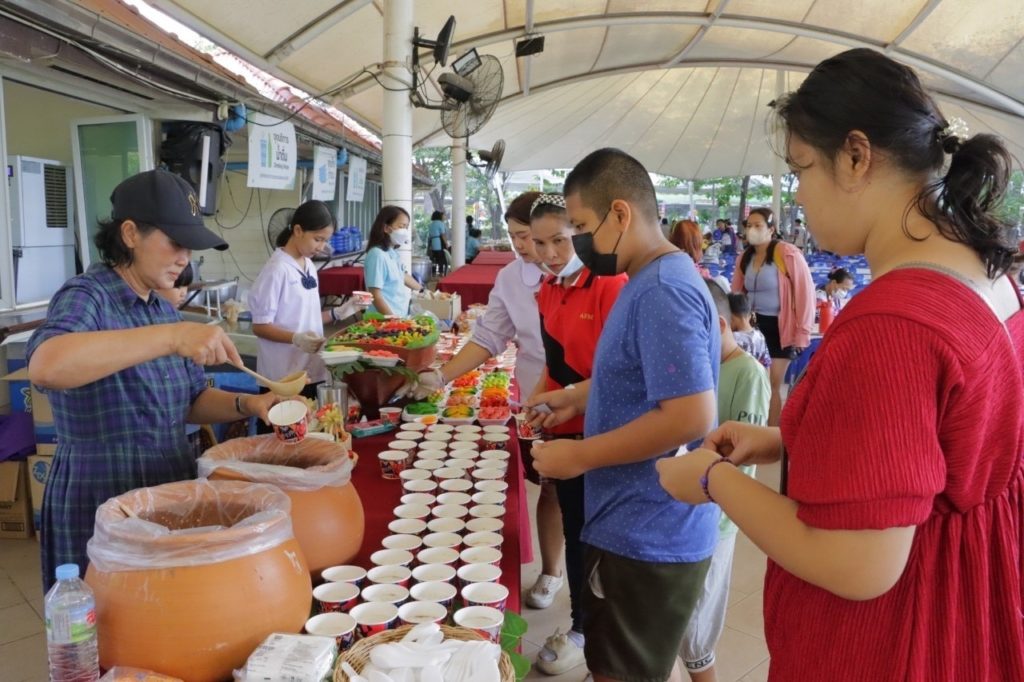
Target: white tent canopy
681, 84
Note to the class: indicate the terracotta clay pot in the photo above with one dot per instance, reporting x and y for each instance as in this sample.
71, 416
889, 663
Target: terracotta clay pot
328, 520
209, 597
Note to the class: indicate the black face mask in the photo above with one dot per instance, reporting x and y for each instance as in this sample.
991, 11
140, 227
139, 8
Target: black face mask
600, 264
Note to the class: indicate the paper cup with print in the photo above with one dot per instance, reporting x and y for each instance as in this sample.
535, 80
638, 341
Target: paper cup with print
454, 498
406, 446
493, 428
392, 463
482, 539
456, 485
489, 498
452, 540
474, 438
437, 555
450, 511
414, 426
442, 593
484, 620
390, 575
441, 428
428, 465
391, 557
487, 511
416, 612
344, 574
388, 593
478, 573
407, 526
439, 455
446, 525
485, 594
290, 420
485, 525
524, 429
467, 465
468, 428
390, 415
336, 597
447, 473
412, 511
441, 573
414, 475
426, 486
436, 437
412, 436
497, 464
373, 617
502, 455
485, 474
481, 555
495, 441
460, 446
419, 498
339, 626
494, 486
435, 445
408, 542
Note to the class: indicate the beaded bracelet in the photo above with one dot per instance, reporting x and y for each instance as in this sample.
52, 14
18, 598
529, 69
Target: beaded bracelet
707, 472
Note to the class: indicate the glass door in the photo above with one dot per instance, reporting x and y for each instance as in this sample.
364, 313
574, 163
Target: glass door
106, 150
6, 254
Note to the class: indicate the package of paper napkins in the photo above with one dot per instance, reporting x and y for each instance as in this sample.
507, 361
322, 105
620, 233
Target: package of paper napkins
290, 658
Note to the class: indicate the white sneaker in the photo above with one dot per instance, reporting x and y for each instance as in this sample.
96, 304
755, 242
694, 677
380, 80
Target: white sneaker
543, 592
564, 653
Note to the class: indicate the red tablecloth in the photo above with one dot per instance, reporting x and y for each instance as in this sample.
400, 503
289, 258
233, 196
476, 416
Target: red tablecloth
381, 496
472, 282
494, 258
341, 281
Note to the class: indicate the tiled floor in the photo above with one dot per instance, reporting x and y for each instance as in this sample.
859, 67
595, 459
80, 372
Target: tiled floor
742, 654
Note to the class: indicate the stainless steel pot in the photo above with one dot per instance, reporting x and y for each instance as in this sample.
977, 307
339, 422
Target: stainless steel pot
421, 268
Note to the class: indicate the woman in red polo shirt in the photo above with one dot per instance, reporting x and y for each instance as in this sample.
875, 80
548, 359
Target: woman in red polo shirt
573, 306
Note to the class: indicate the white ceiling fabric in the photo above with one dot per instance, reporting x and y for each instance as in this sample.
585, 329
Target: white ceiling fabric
681, 84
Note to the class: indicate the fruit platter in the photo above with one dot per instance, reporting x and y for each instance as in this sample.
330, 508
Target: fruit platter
381, 357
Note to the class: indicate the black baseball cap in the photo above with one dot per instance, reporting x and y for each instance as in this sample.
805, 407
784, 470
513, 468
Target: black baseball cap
164, 199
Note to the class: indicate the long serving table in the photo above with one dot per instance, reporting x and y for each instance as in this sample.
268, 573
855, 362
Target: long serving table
499, 258
341, 281
380, 496
472, 282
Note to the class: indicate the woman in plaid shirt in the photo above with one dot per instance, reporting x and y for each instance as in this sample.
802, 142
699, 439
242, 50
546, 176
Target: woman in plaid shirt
122, 371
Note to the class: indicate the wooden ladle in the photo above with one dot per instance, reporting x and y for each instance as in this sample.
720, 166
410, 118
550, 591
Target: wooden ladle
287, 387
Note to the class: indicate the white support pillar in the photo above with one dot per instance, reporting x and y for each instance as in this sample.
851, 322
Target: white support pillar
693, 206
458, 202
397, 129
778, 165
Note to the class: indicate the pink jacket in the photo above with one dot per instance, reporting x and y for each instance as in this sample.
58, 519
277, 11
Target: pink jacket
796, 289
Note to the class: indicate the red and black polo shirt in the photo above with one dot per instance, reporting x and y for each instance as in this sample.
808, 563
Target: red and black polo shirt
571, 319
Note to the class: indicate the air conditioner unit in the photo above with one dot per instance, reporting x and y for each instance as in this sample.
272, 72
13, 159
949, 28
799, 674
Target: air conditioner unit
43, 232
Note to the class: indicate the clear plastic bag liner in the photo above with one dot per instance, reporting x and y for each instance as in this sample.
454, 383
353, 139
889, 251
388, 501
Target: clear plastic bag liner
308, 465
189, 523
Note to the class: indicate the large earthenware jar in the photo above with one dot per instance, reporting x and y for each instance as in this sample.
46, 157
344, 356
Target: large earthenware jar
327, 514
190, 577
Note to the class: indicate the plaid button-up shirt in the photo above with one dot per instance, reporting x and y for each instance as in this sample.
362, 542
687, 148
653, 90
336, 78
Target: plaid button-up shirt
121, 432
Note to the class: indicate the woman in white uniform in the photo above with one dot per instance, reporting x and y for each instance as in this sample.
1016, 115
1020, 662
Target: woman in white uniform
285, 300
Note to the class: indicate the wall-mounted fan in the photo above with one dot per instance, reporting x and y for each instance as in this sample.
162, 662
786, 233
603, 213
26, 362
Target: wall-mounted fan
490, 161
280, 221
470, 100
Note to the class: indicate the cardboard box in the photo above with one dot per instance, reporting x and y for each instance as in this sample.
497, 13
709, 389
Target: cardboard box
42, 415
38, 472
15, 505
445, 309
13, 351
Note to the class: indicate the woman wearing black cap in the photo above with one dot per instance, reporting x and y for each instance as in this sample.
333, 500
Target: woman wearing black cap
122, 370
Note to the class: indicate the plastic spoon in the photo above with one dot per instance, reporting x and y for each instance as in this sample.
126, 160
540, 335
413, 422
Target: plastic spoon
287, 387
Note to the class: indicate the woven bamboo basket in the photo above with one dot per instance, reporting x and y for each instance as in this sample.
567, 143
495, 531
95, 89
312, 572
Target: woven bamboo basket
359, 655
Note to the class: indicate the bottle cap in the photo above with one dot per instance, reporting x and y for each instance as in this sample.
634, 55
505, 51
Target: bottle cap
67, 571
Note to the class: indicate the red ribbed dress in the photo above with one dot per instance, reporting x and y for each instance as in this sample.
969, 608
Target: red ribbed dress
911, 413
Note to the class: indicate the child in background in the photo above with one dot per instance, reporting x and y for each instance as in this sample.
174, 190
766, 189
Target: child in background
743, 395
747, 336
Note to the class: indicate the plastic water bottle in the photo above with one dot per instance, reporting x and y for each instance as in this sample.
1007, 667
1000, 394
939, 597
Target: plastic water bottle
71, 628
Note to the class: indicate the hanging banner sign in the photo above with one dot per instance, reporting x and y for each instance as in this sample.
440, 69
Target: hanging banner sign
272, 153
325, 173
356, 178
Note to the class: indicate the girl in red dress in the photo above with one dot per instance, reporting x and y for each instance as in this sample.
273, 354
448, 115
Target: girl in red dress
895, 546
